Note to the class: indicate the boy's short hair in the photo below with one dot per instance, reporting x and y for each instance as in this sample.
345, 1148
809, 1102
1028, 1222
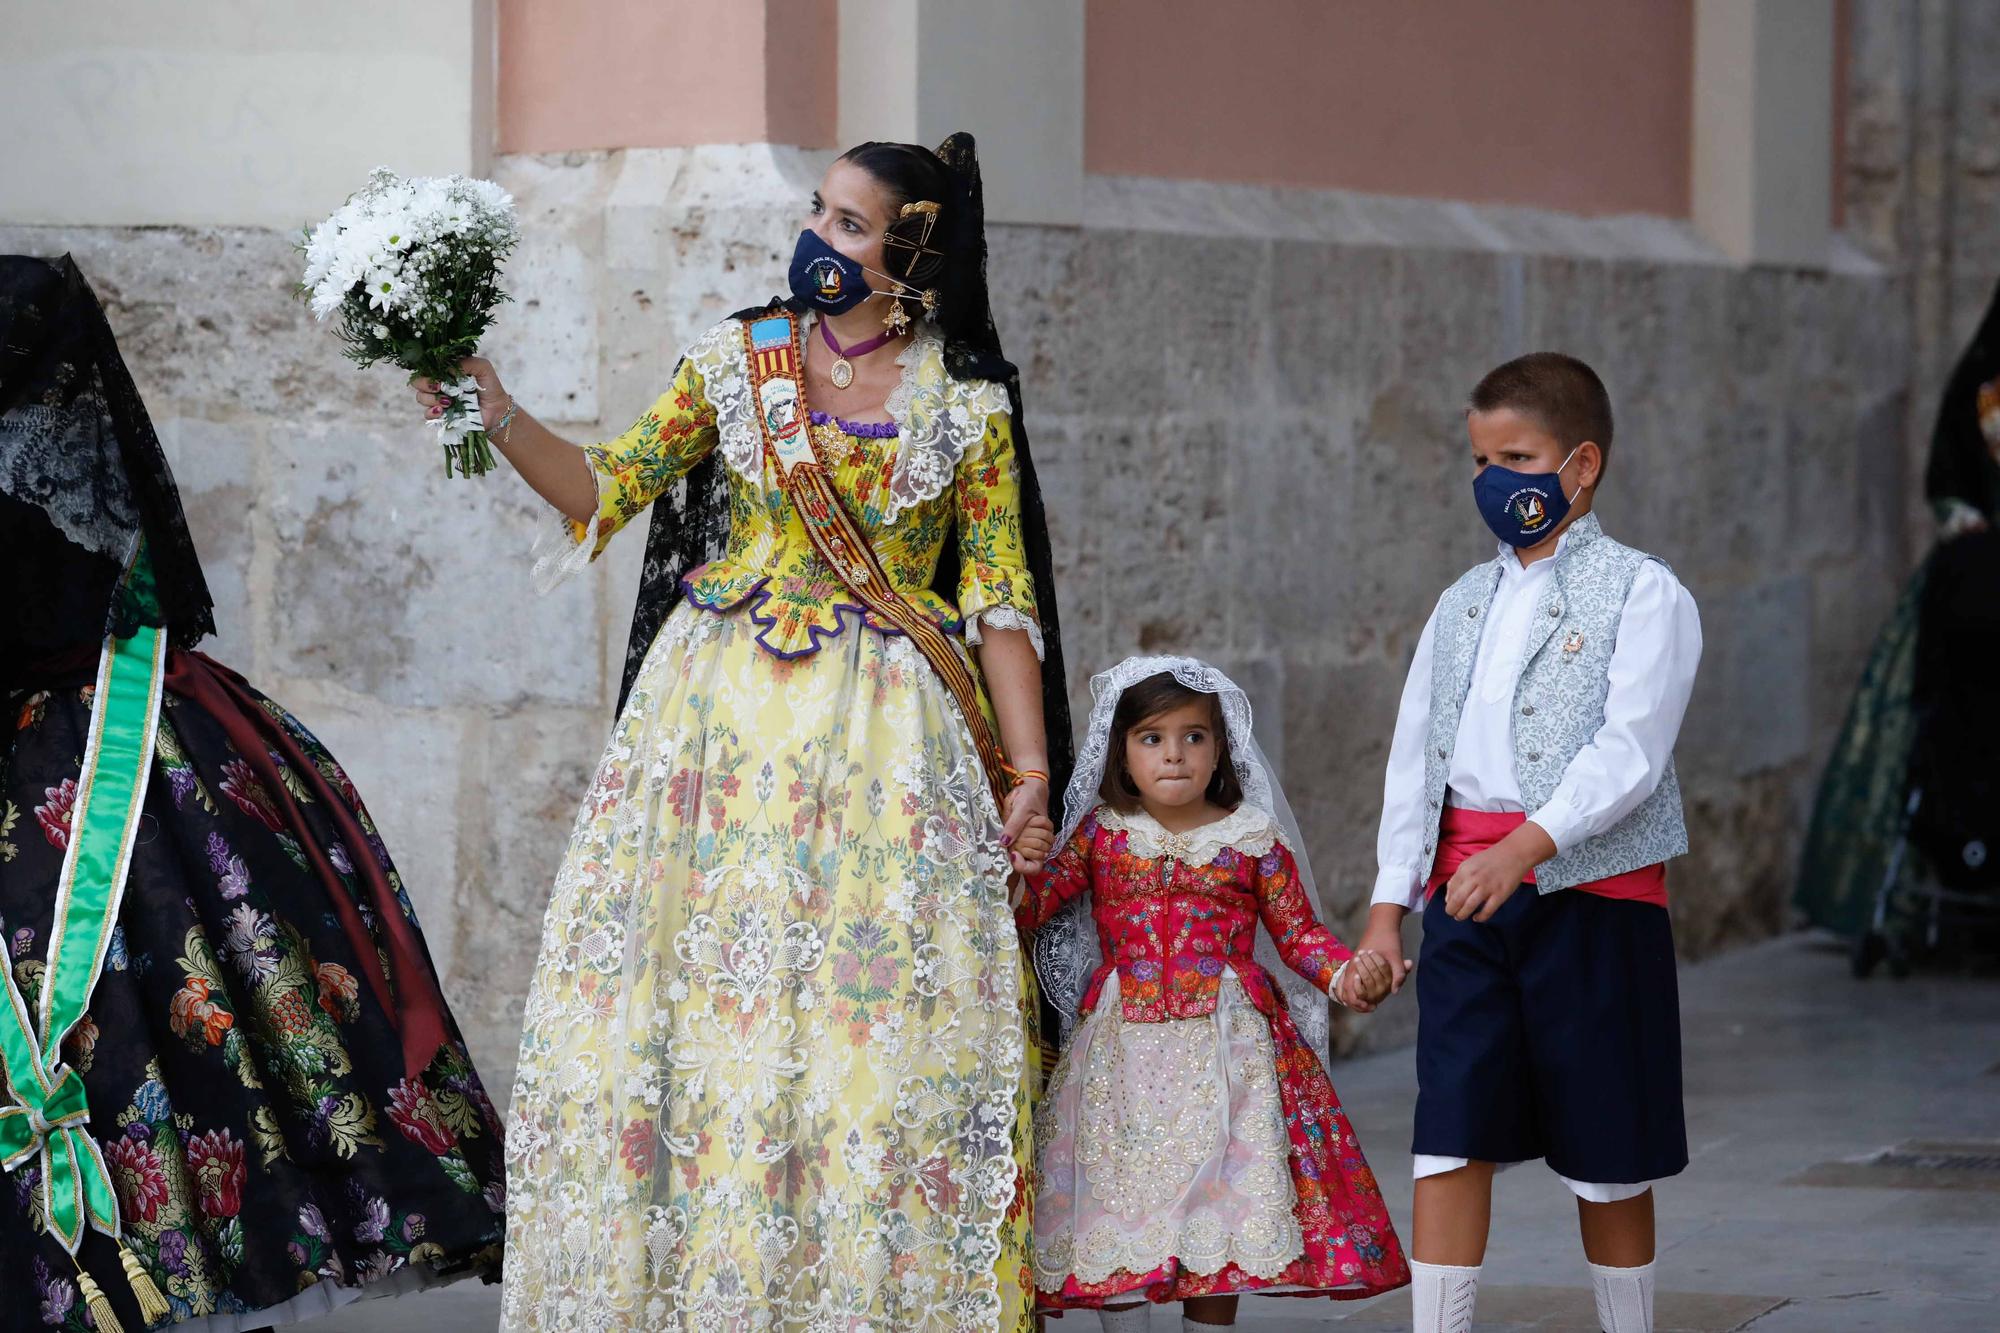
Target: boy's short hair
1559, 392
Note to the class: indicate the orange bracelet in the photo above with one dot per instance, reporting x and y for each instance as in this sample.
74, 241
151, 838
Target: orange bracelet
1021, 775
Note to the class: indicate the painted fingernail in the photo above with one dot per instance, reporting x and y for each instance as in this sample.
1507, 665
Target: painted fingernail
1006, 840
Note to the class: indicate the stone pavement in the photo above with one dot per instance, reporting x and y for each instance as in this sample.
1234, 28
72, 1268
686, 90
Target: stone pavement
1796, 1075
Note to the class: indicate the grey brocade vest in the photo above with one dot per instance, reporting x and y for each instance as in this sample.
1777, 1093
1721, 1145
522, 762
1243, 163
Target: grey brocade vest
1558, 703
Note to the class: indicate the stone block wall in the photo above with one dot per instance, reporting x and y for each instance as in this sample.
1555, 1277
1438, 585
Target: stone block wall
1245, 406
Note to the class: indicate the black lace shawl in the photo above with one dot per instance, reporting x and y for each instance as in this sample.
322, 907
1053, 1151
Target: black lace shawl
691, 526
1962, 466
83, 482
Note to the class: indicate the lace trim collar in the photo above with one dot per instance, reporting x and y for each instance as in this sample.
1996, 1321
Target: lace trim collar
1246, 829
937, 417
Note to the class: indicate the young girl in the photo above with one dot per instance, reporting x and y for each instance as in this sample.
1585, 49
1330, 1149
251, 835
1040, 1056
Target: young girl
1190, 1145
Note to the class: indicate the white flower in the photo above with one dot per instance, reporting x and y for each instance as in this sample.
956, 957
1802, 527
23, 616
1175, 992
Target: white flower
386, 289
326, 300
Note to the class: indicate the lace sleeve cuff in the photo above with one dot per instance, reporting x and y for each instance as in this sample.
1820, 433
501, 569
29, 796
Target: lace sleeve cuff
1004, 617
559, 553
563, 547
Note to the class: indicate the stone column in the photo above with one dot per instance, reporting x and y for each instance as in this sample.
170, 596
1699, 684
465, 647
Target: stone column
1012, 75
1763, 128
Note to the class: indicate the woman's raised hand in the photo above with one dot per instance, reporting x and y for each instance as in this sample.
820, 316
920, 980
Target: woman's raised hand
493, 399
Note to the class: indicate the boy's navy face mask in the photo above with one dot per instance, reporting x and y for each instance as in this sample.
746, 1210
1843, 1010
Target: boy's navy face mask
1522, 508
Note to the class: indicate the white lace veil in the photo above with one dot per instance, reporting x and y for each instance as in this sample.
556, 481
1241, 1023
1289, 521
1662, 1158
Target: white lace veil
1066, 951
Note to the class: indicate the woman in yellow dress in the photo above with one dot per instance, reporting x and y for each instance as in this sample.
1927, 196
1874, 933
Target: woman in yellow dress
775, 1068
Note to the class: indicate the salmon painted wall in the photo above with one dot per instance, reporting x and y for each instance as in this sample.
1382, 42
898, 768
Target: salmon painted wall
1579, 105
666, 73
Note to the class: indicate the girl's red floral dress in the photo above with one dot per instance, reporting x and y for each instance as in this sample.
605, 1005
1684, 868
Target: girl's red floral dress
1190, 1143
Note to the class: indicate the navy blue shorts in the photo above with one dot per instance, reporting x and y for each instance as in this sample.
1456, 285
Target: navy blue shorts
1554, 1031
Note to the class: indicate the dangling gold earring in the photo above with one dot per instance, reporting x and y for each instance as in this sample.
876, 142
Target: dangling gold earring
897, 321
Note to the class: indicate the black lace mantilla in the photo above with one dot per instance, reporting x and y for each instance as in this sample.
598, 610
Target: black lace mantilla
84, 484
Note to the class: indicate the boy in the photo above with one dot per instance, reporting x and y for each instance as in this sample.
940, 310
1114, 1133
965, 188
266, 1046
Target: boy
1529, 809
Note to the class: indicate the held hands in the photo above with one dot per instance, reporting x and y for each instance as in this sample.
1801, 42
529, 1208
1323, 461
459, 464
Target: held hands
1383, 942
1368, 980
1028, 834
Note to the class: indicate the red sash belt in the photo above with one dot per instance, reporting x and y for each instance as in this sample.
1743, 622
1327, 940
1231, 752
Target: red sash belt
1463, 834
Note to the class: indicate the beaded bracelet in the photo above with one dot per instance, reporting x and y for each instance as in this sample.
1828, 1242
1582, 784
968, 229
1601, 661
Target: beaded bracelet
501, 430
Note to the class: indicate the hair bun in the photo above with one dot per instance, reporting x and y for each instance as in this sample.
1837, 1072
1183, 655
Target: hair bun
960, 153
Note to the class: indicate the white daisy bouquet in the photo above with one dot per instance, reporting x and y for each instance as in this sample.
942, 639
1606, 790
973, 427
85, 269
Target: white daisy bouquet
411, 268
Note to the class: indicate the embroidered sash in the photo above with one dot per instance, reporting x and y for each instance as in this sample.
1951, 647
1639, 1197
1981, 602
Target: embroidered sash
777, 381
48, 1111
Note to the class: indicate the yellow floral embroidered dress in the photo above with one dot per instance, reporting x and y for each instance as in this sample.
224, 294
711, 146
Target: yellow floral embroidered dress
773, 1073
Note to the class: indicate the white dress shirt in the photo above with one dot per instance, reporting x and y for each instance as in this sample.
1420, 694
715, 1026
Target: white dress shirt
1652, 672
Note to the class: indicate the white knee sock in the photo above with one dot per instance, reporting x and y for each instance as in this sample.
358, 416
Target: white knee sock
1135, 1320
1441, 1297
1624, 1298
1189, 1324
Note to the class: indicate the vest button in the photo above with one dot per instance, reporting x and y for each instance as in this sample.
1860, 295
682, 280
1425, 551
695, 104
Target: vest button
1534, 756
1527, 710
1472, 613
1554, 612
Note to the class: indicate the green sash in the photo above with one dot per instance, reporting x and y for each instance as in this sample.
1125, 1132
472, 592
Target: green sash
48, 1111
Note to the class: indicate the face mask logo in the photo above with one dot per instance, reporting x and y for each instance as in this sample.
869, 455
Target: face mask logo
826, 279
1529, 511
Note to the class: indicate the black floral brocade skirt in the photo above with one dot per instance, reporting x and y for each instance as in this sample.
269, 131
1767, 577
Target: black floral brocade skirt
289, 1115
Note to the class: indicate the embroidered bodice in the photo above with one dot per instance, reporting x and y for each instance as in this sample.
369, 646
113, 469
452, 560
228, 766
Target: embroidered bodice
1174, 909
945, 471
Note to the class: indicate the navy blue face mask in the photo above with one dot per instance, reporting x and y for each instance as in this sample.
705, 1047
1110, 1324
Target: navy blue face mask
824, 278
1522, 508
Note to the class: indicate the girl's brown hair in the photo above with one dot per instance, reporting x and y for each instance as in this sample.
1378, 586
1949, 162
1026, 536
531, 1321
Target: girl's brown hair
1148, 699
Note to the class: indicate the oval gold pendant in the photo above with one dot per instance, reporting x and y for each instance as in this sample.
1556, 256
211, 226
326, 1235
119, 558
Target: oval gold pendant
842, 374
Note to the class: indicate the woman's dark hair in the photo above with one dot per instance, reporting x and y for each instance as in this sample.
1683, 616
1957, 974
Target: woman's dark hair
1146, 700
949, 177
909, 174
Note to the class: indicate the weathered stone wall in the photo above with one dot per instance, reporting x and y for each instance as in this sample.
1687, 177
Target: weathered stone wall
1245, 406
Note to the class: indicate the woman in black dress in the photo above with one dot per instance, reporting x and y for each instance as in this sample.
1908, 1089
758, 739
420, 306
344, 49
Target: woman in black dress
231, 1094
1862, 808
